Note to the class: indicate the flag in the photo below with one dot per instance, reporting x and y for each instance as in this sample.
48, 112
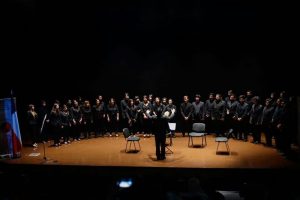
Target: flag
10, 135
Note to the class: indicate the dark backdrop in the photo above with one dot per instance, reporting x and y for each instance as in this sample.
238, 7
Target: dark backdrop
71, 48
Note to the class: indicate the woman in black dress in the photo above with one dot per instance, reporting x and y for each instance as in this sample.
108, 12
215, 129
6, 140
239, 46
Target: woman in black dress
55, 123
32, 117
112, 117
87, 119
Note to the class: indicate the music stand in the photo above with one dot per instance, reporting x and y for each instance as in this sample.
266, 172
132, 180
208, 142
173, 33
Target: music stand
230, 134
46, 160
172, 127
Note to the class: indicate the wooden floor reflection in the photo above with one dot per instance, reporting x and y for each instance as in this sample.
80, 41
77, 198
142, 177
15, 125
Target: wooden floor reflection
110, 151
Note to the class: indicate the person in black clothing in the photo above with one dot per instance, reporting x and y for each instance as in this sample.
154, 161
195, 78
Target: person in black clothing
164, 102
255, 115
229, 93
240, 119
171, 108
231, 105
218, 114
146, 122
42, 113
273, 99
284, 96
279, 124
198, 109
69, 104
291, 109
57, 101
208, 109
99, 117
66, 120
32, 118
131, 115
138, 108
186, 110
80, 101
76, 114
100, 98
266, 119
160, 128
113, 117
87, 119
249, 96
169, 114
123, 106
55, 123
150, 98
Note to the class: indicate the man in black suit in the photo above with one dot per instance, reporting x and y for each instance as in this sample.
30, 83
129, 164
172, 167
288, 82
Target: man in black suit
208, 109
160, 128
255, 115
231, 105
266, 120
186, 110
279, 123
198, 109
218, 114
124, 107
241, 119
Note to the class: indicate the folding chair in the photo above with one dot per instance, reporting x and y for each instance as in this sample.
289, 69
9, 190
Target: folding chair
131, 139
198, 131
225, 140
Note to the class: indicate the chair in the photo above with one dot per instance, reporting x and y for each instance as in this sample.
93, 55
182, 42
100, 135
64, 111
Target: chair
224, 139
198, 131
131, 139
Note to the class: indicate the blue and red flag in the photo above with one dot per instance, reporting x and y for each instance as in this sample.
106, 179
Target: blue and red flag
10, 135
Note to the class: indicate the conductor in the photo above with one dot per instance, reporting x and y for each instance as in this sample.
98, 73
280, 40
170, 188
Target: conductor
160, 127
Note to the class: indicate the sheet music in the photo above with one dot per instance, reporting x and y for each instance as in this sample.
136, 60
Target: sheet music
172, 126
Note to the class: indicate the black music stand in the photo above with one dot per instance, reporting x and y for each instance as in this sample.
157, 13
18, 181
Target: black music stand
46, 160
172, 127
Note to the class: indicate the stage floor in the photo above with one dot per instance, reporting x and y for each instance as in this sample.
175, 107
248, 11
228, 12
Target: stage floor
110, 151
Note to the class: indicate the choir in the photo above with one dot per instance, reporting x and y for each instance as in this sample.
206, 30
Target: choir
246, 115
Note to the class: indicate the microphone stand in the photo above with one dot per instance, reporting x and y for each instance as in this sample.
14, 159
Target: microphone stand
46, 160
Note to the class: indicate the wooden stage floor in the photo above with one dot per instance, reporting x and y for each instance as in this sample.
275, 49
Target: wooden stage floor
110, 151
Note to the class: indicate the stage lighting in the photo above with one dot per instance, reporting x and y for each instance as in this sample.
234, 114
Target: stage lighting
125, 183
